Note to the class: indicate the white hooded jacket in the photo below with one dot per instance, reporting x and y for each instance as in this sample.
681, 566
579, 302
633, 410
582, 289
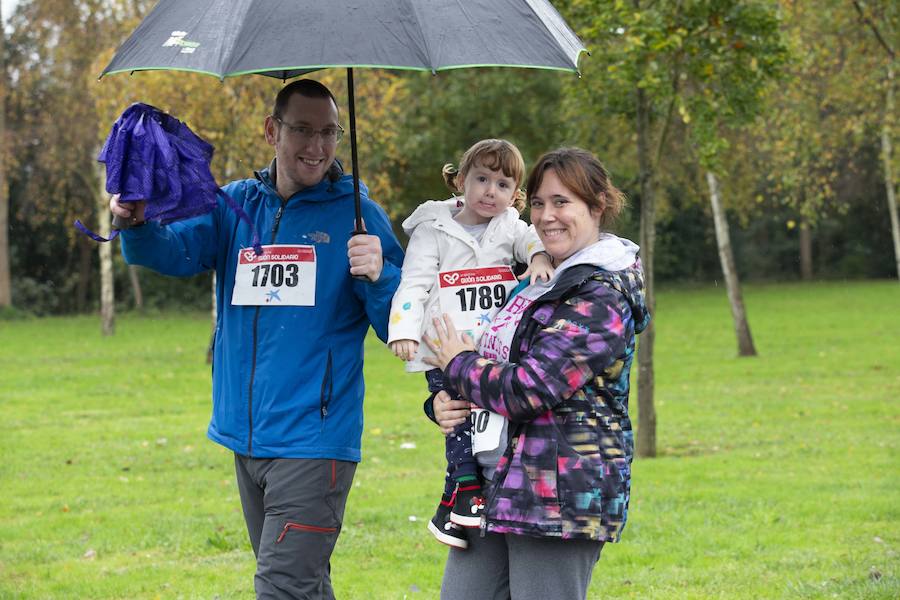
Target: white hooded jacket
438, 243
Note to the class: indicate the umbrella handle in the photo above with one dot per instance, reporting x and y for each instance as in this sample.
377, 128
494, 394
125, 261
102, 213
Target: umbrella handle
358, 228
120, 222
354, 159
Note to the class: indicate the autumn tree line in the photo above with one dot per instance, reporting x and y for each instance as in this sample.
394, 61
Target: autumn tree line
753, 138
783, 108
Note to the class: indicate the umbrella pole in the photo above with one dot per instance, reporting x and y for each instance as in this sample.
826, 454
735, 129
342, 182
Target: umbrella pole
358, 225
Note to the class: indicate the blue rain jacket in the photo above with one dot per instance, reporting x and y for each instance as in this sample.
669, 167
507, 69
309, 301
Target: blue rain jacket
287, 380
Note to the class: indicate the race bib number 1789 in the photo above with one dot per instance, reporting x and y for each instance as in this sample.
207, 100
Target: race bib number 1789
474, 296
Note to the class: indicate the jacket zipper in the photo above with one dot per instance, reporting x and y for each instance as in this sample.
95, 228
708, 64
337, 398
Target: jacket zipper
255, 336
288, 526
513, 439
327, 383
513, 436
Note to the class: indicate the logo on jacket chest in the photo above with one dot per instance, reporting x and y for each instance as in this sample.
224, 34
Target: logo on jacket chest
318, 237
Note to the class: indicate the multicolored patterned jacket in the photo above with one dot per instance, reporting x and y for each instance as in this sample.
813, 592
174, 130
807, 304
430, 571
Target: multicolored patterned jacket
567, 470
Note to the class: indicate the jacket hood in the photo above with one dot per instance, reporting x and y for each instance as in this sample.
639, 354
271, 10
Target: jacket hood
445, 210
335, 184
610, 253
620, 268
432, 210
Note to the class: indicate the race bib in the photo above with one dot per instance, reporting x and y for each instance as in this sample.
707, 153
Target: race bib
487, 428
281, 276
472, 297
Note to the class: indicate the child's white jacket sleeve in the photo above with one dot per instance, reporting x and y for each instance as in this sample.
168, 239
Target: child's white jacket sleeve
418, 277
527, 242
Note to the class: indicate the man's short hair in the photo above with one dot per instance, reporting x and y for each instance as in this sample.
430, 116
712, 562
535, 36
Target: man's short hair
309, 88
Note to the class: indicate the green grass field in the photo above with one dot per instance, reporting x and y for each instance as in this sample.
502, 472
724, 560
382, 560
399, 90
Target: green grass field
778, 476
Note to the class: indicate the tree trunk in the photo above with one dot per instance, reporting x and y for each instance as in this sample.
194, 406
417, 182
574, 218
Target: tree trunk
806, 262
646, 430
887, 157
726, 258
136, 288
107, 289
5, 279
84, 273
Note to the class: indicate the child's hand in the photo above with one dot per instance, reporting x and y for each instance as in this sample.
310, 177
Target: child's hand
404, 349
540, 268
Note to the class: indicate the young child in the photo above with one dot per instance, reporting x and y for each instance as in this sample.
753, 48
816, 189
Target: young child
458, 261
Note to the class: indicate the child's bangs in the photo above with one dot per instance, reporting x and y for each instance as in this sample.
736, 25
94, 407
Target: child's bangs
500, 160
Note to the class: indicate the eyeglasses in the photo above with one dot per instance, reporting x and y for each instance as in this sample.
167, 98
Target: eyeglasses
329, 135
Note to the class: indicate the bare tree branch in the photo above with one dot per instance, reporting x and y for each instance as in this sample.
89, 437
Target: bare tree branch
868, 21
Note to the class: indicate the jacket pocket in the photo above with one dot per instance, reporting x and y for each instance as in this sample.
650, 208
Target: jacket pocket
540, 459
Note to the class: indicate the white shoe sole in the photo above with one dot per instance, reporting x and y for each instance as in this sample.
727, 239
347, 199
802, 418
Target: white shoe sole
447, 539
464, 521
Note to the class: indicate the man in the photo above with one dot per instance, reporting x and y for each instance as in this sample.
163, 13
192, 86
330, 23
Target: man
287, 377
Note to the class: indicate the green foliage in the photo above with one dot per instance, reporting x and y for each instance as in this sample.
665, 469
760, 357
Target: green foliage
11, 313
707, 67
776, 478
710, 61
452, 110
826, 110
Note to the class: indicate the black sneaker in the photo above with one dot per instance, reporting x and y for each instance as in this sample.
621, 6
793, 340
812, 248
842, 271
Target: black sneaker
446, 531
467, 506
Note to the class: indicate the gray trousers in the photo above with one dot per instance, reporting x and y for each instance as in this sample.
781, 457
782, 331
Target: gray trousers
294, 509
518, 567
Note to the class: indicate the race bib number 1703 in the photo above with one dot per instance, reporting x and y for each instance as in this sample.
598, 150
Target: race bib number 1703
282, 275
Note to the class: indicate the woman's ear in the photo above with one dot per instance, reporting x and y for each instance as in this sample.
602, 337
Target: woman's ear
598, 209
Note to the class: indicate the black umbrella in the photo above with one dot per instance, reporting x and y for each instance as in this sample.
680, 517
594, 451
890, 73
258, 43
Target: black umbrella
286, 38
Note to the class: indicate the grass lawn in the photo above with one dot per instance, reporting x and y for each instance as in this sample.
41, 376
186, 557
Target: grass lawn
778, 476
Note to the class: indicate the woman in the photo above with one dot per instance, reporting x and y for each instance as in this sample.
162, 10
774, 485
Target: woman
555, 363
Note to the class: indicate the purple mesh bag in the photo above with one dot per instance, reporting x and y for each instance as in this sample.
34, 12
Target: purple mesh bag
150, 155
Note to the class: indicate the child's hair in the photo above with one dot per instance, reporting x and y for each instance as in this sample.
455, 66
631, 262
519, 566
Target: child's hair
496, 155
585, 176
